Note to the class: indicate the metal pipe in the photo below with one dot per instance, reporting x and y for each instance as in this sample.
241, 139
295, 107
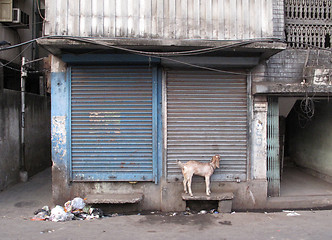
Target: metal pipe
23, 78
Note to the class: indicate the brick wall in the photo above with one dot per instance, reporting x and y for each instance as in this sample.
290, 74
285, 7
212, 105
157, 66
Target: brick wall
288, 65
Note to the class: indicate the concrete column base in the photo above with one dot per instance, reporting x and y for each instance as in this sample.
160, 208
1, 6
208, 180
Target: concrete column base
225, 206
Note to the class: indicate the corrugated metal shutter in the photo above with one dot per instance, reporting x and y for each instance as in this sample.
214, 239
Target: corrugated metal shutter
112, 123
207, 115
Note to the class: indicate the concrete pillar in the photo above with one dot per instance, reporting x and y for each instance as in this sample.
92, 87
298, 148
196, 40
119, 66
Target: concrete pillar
60, 130
258, 139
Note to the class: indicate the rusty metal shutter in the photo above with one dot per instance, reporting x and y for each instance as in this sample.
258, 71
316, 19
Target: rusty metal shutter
112, 124
207, 115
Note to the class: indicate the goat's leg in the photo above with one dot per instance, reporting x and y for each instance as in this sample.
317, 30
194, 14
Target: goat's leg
189, 186
185, 181
207, 183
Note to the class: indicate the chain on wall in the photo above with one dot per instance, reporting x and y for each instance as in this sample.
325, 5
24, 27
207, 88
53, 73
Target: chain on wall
308, 23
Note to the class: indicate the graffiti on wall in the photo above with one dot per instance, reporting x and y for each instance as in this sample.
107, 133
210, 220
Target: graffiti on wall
323, 77
258, 132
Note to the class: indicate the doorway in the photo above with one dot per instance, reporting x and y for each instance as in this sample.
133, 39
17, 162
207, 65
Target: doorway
305, 140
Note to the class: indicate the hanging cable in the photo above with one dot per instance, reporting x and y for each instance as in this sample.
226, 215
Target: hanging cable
39, 11
18, 55
307, 106
164, 55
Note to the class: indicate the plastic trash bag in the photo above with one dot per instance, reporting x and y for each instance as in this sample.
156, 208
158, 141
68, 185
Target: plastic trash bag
40, 216
68, 207
58, 214
43, 209
77, 203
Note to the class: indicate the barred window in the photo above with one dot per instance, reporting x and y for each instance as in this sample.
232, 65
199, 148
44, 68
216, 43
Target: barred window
308, 23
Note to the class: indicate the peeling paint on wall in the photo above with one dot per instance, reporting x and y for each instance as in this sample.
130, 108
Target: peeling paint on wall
59, 136
258, 132
105, 117
57, 64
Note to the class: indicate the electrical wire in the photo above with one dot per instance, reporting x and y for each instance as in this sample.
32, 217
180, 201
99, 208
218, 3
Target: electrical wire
306, 111
205, 68
160, 55
36, 60
38, 7
8, 26
164, 55
180, 53
308, 107
19, 45
14, 69
5, 65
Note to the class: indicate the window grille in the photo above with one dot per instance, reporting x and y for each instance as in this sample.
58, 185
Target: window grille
308, 23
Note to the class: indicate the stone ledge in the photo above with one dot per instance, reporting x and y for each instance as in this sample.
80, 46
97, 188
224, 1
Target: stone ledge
114, 198
225, 200
287, 88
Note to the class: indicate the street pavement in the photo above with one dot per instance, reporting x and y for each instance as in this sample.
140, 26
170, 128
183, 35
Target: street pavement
18, 203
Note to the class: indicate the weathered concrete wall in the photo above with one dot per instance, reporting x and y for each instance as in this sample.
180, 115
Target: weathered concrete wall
11, 36
16, 35
311, 146
37, 135
287, 66
166, 196
9, 137
247, 195
61, 189
151, 191
285, 73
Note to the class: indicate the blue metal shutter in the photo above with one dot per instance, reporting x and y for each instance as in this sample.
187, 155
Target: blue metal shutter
113, 124
207, 115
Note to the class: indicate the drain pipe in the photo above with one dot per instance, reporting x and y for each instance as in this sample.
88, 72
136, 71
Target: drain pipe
23, 172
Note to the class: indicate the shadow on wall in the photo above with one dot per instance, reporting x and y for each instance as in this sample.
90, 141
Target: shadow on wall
37, 135
309, 135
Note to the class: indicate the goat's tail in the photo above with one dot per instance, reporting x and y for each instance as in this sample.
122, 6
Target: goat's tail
180, 164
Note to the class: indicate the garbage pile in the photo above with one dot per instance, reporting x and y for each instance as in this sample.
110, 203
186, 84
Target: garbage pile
75, 209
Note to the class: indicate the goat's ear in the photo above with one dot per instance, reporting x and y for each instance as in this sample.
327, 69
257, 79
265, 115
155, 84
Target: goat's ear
217, 159
214, 160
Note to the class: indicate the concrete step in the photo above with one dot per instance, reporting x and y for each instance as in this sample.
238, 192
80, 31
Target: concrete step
225, 199
114, 198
